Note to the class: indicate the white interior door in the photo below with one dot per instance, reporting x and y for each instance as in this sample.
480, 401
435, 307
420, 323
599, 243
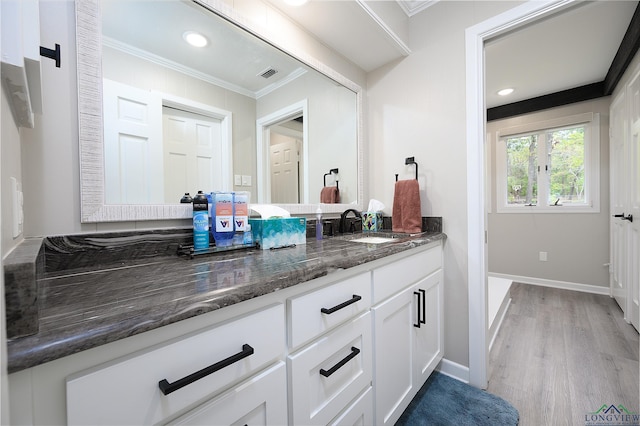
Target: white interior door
633, 215
132, 145
284, 157
192, 153
619, 127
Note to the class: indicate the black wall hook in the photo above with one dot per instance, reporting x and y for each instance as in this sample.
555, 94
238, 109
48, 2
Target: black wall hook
51, 54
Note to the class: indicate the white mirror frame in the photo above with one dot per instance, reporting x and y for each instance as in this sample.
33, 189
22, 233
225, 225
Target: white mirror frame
89, 62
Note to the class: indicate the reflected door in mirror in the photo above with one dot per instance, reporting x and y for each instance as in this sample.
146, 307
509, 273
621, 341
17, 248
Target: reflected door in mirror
285, 169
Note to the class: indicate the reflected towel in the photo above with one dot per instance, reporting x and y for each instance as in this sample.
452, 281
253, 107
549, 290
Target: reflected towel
406, 214
330, 195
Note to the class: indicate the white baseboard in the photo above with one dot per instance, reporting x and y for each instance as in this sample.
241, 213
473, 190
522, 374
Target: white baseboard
494, 333
564, 285
453, 369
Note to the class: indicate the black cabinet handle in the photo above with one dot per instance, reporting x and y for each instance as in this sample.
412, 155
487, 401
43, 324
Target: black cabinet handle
618, 215
421, 312
628, 217
167, 387
326, 373
424, 306
417, 324
342, 305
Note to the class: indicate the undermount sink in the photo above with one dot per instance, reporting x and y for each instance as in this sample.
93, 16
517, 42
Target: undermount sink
372, 240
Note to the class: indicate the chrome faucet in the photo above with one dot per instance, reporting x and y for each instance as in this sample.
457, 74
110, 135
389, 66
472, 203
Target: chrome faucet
343, 221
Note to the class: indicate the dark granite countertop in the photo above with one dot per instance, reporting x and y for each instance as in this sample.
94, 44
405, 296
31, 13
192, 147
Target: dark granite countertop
82, 306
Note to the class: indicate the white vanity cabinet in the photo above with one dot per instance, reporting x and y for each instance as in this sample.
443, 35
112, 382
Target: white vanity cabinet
349, 348
330, 378
150, 387
408, 331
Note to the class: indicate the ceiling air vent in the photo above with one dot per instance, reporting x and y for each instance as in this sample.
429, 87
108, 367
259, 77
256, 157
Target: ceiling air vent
268, 72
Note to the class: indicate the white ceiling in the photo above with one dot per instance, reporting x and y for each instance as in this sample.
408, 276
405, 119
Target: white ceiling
233, 59
567, 50
562, 52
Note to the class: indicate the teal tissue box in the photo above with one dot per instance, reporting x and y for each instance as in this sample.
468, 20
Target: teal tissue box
372, 221
279, 232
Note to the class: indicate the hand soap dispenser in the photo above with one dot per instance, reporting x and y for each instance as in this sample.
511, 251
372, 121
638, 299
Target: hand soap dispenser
319, 224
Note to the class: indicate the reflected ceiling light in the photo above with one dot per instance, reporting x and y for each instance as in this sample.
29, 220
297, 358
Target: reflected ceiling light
195, 39
505, 92
295, 2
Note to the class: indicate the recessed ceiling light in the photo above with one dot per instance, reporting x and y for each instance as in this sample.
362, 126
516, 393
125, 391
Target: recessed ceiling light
295, 2
195, 39
505, 92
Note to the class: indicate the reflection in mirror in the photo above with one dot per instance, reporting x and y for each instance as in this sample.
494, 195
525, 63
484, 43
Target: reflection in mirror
179, 118
285, 168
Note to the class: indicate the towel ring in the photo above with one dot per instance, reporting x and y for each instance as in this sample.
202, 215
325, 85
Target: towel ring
332, 171
410, 160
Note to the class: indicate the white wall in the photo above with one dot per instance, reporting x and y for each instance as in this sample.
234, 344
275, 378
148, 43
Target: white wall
9, 168
577, 244
417, 108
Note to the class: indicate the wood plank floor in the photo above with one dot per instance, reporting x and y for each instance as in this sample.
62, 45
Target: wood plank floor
562, 354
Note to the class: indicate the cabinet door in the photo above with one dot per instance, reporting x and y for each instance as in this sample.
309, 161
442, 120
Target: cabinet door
393, 379
428, 338
260, 401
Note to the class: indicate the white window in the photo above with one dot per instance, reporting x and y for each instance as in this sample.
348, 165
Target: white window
549, 167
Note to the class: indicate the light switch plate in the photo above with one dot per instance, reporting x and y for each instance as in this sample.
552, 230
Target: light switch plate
16, 208
246, 180
237, 180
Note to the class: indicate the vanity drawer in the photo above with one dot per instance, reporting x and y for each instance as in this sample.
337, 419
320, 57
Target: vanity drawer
314, 313
358, 413
390, 279
325, 377
127, 391
261, 400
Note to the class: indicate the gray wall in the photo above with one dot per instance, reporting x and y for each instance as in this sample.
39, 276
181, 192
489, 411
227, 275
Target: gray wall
577, 244
417, 108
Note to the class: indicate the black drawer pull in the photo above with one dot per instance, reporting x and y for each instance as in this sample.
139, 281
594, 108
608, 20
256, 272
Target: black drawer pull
342, 305
326, 373
167, 387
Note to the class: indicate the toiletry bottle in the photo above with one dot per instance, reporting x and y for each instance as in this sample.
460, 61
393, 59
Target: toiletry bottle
319, 224
200, 222
222, 224
186, 199
240, 215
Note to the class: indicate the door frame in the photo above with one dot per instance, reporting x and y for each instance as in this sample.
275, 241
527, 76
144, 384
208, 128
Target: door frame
475, 38
263, 142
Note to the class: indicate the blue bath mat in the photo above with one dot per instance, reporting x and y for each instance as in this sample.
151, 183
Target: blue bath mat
446, 401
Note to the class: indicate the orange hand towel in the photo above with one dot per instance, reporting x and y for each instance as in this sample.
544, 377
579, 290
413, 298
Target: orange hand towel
330, 195
406, 214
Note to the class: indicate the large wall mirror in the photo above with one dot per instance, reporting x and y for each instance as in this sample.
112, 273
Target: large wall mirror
160, 117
